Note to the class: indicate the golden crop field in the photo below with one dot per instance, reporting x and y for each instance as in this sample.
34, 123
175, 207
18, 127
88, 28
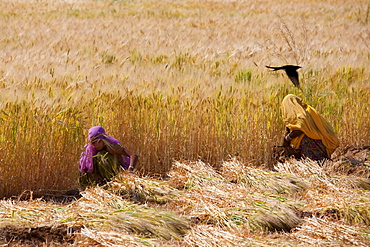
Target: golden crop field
173, 80
178, 82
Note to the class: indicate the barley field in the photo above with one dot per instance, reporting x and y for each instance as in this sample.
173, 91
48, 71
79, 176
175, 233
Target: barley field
173, 80
178, 82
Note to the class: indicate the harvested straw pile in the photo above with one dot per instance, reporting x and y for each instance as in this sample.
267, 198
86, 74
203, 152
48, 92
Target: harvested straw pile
262, 180
300, 203
106, 218
191, 174
340, 197
103, 210
321, 232
142, 190
213, 200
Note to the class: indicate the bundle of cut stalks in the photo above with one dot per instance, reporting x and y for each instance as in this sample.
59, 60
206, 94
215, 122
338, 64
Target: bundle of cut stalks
238, 205
104, 210
321, 232
96, 237
142, 189
339, 197
200, 235
213, 200
326, 175
106, 218
28, 213
190, 174
261, 180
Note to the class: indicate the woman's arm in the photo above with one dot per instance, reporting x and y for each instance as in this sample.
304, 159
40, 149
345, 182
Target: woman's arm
133, 158
117, 148
292, 135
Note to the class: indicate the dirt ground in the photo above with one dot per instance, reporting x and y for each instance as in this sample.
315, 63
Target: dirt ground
351, 157
38, 236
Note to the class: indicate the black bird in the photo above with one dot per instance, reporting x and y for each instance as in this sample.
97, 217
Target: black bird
291, 71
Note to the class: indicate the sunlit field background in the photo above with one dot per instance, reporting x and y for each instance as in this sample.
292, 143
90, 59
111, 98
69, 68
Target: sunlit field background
184, 85
173, 80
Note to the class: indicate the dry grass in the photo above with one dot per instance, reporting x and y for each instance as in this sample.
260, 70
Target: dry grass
262, 180
321, 232
143, 190
340, 197
324, 212
215, 201
106, 218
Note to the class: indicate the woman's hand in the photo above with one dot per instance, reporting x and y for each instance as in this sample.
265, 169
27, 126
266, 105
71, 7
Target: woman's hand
97, 178
286, 143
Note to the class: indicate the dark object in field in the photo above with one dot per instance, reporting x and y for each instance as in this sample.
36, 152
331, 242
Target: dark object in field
62, 235
291, 71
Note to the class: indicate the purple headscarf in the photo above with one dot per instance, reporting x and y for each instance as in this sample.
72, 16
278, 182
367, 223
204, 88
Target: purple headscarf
86, 159
98, 132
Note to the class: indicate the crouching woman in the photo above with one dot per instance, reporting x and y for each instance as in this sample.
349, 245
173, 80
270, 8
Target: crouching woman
103, 158
308, 135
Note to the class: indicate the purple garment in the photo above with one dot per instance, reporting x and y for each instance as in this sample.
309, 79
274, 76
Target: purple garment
98, 132
125, 161
87, 156
86, 159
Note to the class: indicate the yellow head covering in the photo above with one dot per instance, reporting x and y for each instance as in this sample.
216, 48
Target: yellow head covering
300, 116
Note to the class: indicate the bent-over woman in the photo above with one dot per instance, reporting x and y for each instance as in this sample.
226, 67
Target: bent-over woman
308, 135
103, 158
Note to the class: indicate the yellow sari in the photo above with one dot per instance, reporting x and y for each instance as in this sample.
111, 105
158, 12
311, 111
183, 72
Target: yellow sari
300, 116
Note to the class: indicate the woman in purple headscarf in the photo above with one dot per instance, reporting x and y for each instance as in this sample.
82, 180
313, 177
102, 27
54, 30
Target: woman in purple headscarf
103, 158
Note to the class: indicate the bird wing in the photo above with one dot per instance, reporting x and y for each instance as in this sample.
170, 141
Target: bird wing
293, 76
274, 68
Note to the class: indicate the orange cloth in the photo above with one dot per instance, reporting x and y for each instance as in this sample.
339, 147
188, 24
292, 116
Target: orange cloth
300, 116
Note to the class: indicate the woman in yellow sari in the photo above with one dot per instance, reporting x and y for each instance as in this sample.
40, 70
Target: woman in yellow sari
308, 135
